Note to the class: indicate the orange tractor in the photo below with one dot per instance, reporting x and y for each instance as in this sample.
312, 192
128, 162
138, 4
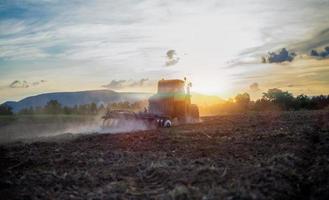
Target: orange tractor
172, 103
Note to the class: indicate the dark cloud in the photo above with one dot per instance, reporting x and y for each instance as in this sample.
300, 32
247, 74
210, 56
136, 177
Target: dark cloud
35, 83
171, 58
143, 80
120, 84
25, 84
278, 57
320, 54
19, 84
254, 87
115, 84
318, 40
140, 83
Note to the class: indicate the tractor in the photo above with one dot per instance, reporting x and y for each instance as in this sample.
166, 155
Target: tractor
171, 103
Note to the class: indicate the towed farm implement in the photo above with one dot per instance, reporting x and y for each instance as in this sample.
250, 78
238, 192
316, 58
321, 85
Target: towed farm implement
171, 104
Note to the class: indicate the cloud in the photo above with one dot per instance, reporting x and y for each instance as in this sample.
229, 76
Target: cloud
140, 83
115, 84
35, 83
48, 29
278, 57
124, 84
171, 58
254, 87
19, 84
25, 84
294, 85
320, 54
319, 39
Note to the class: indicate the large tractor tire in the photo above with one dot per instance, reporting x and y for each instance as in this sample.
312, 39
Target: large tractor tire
164, 123
167, 123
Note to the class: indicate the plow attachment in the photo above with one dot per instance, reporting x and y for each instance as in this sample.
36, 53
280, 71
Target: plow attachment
121, 118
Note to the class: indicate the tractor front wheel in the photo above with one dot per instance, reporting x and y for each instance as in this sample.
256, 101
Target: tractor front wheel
167, 123
164, 123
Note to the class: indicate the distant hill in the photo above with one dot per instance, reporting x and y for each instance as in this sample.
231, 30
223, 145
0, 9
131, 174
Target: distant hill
77, 98
71, 99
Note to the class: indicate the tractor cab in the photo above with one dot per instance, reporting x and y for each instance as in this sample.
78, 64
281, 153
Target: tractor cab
173, 99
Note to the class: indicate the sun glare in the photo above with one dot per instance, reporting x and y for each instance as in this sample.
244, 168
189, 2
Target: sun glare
213, 85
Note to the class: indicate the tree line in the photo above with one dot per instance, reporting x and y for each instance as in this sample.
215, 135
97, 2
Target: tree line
273, 100
54, 107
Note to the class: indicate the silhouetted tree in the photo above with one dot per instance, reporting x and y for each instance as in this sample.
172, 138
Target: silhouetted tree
53, 107
242, 101
93, 108
5, 110
283, 99
38, 110
302, 102
101, 109
319, 102
263, 104
27, 111
67, 110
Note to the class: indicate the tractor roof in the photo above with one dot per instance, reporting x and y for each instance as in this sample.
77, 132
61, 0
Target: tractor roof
171, 81
168, 86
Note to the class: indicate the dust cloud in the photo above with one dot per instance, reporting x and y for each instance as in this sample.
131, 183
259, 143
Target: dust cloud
53, 128
99, 127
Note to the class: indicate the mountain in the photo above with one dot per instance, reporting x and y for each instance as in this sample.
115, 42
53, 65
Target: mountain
77, 98
71, 99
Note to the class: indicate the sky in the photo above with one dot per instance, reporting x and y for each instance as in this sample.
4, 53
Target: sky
223, 47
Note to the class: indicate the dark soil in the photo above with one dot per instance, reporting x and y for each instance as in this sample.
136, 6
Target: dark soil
244, 156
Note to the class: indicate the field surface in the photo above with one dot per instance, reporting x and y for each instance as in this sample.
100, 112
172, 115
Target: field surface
244, 156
